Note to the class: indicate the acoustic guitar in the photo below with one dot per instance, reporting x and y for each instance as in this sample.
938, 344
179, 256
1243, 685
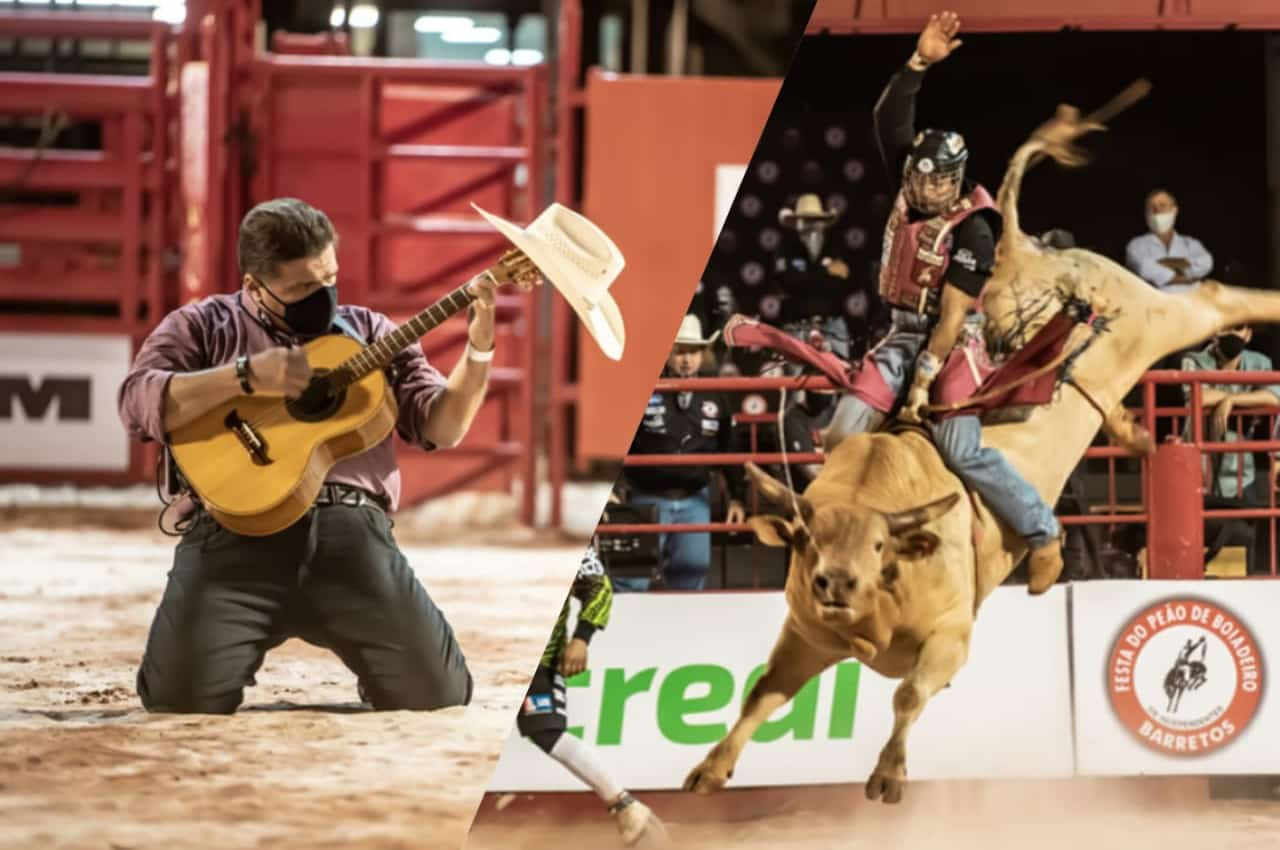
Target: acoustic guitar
258, 462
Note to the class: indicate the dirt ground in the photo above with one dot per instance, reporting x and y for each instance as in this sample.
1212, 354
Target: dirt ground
300, 766
981, 816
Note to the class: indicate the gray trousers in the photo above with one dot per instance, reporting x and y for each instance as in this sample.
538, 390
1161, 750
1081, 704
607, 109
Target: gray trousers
336, 579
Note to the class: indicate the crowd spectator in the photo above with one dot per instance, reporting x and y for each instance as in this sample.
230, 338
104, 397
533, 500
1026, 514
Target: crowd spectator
1231, 479
811, 280
686, 422
1163, 257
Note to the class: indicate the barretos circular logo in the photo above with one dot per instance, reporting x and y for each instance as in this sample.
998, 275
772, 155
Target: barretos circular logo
1185, 676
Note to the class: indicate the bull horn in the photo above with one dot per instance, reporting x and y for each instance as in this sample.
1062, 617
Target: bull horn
912, 518
779, 494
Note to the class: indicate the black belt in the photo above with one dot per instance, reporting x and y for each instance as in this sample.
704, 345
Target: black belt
343, 494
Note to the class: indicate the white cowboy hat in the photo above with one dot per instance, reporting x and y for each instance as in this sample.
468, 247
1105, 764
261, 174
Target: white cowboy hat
580, 261
690, 332
807, 206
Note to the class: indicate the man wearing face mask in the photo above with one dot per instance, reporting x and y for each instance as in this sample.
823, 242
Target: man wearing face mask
683, 423
812, 280
1229, 351
1231, 479
1164, 258
938, 252
335, 578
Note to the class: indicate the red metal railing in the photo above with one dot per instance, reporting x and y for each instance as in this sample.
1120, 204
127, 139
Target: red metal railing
1169, 511
107, 246
91, 225
473, 126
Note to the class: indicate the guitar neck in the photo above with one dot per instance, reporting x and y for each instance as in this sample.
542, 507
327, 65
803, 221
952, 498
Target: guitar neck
378, 354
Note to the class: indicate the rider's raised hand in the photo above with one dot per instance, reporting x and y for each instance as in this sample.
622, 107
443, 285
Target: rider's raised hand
938, 39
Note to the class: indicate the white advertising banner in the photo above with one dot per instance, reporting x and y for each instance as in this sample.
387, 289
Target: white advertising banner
1173, 677
728, 179
667, 677
58, 401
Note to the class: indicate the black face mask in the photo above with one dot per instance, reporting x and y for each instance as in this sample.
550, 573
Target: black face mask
1230, 346
312, 315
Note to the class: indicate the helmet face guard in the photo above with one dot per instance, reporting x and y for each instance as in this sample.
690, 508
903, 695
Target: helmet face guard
933, 171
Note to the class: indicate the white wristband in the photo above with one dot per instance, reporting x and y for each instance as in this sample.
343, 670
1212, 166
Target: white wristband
479, 356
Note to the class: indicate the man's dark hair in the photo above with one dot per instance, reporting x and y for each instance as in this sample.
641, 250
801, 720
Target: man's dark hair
280, 231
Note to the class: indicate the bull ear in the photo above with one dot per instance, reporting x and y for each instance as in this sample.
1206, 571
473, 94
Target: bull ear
917, 544
902, 522
779, 494
771, 530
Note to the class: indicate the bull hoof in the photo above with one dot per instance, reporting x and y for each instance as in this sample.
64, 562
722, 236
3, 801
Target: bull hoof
706, 778
882, 786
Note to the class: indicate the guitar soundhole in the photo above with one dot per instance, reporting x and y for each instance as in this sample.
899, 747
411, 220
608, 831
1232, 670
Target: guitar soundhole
318, 401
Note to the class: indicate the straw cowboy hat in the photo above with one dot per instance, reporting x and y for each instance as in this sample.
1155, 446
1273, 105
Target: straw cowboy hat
690, 332
807, 206
580, 261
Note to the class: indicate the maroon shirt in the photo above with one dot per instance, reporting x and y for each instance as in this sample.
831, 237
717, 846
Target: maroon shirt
221, 328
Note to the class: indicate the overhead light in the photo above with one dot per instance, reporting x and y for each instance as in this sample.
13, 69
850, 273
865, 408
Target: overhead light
170, 13
364, 16
338, 16
442, 23
526, 56
473, 35
497, 56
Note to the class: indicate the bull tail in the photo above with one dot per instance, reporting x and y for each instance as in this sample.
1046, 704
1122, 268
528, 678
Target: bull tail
1056, 139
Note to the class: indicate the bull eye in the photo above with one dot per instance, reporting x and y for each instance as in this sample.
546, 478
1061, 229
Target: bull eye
879, 546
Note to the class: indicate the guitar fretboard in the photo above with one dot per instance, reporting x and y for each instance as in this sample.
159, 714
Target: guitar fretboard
378, 354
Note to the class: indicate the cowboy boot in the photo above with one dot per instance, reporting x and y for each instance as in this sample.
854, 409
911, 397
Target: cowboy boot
1045, 566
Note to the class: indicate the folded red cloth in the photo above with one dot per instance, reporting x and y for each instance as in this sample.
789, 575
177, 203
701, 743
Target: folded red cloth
1039, 352
744, 332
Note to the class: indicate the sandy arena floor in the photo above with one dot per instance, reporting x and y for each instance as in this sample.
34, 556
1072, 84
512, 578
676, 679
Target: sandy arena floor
1045, 816
301, 766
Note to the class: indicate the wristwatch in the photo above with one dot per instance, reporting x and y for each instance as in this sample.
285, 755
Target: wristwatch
242, 374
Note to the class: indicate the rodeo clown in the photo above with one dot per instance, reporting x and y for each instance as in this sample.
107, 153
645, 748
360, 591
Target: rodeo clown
939, 251
543, 716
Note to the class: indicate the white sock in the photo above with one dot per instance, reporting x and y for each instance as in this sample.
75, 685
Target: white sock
582, 763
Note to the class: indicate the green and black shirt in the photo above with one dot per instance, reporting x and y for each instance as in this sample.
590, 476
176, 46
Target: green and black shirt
593, 589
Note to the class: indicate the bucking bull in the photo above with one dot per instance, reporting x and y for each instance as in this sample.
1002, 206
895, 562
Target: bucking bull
890, 558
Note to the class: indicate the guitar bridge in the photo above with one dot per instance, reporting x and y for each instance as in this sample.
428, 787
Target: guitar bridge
249, 438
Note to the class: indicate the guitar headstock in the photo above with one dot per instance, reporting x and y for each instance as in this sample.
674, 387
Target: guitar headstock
516, 269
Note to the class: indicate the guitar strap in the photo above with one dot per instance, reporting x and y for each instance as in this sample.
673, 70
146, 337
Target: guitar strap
349, 330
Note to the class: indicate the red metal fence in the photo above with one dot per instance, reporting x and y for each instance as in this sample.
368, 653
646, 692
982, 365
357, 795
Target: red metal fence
1171, 500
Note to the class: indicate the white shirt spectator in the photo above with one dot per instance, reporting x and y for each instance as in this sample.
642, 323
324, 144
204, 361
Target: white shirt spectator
1144, 253
1162, 257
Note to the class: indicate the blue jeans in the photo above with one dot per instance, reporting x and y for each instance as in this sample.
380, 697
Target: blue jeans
1010, 496
686, 558
895, 360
